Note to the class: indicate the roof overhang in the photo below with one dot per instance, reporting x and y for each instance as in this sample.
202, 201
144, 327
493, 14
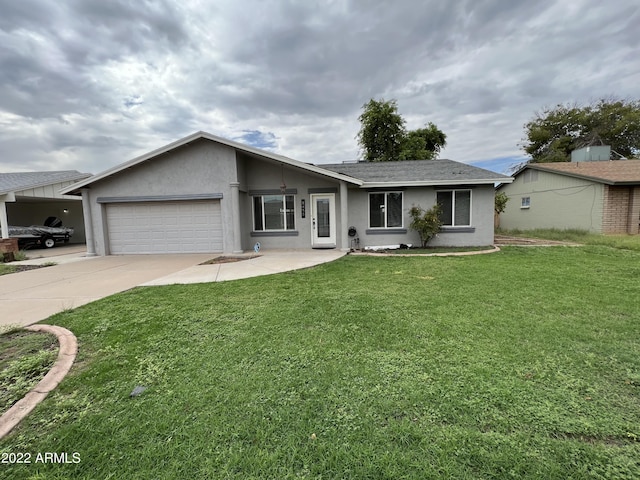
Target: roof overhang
75, 188
21, 188
436, 183
590, 178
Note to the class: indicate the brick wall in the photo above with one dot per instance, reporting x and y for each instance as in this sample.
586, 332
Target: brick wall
621, 213
634, 211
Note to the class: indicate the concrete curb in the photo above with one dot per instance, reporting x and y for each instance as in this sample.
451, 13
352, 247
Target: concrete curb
66, 356
494, 249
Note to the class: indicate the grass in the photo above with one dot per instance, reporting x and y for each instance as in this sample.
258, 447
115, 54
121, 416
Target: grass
519, 364
7, 269
628, 242
430, 250
25, 357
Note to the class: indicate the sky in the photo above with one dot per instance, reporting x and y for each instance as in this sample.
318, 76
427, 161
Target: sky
88, 84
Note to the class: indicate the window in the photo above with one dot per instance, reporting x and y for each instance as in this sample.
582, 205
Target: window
526, 202
273, 213
455, 207
385, 210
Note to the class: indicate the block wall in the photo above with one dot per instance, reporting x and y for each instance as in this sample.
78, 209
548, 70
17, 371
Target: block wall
621, 212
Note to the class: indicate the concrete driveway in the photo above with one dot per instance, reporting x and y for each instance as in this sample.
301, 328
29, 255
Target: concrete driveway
31, 296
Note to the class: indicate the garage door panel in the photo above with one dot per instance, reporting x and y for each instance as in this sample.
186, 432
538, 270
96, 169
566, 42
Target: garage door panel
165, 227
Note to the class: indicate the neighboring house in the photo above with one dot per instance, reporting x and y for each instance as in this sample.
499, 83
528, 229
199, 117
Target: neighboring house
29, 198
207, 194
601, 197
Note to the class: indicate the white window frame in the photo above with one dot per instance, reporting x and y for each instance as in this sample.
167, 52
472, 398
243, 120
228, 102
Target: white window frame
283, 212
525, 203
453, 206
386, 218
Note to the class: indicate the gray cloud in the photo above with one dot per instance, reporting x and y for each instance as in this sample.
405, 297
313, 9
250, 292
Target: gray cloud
87, 85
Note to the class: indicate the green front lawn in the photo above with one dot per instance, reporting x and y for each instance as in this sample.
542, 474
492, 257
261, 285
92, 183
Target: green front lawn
25, 358
6, 269
519, 364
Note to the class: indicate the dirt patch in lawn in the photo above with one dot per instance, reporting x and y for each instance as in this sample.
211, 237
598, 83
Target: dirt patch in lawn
228, 259
509, 240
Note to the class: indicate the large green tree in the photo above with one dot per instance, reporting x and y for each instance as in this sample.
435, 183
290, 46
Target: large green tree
423, 143
553, 133
382, 131
383, 137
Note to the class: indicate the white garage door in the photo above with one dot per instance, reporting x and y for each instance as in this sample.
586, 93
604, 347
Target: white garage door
165, 227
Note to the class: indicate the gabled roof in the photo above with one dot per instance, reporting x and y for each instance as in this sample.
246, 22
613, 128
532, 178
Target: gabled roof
610, 172
417, 173
363, 174
74, 189
16, 182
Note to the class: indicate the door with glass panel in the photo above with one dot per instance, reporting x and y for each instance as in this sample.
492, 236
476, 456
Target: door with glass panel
323, 220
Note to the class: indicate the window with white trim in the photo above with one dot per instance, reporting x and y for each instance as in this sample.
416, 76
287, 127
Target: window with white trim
525, 202
274, 213
385, 210
455, 207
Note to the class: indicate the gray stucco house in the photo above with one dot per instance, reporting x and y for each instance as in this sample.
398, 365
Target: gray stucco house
597, 196
204, 193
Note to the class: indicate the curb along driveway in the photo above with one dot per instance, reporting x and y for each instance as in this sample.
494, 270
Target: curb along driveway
31, 296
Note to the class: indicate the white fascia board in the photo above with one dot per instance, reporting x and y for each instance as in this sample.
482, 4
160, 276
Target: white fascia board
435, 183
213, 138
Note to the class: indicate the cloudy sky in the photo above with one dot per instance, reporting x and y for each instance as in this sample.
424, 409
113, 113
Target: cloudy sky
88, 84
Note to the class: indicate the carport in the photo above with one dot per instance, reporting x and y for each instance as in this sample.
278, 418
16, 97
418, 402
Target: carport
28, 198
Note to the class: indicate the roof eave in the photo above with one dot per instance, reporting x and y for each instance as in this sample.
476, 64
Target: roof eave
435, 183
74, 189
80, 176
574, 175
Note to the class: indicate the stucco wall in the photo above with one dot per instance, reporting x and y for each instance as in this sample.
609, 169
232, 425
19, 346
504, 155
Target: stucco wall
266, 175
202, 167
481, 219
556, 201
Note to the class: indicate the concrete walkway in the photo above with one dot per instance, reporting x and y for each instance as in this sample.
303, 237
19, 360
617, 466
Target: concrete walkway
265, 263
31, 296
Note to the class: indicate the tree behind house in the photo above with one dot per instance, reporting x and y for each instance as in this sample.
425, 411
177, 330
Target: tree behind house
383, 137
552, 134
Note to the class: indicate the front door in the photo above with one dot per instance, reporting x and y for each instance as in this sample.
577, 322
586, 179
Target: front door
323, 220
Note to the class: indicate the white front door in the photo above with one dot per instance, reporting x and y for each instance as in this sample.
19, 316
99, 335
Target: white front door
323, 220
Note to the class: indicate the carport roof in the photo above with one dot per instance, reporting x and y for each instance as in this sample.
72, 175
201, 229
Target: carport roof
15, 182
